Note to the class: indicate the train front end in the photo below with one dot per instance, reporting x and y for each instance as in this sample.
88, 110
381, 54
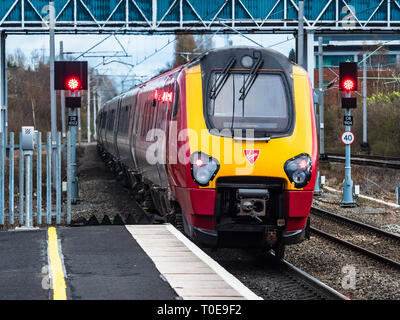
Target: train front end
252, 146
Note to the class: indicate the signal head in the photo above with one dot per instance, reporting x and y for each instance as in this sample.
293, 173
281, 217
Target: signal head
71, 75
348, 76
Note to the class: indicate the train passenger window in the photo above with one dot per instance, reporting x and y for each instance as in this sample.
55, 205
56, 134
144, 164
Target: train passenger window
265, 108
103, 120
111, 121
176, 101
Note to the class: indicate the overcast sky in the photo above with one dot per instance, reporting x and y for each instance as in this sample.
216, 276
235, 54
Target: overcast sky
137, 46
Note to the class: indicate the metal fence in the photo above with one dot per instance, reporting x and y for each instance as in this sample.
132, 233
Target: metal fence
26, 205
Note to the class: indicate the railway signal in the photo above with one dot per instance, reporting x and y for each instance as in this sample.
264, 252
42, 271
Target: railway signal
348, 76
348, 83
72, 76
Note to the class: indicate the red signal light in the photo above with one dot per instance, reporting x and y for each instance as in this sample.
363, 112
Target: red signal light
73, 83
349, 84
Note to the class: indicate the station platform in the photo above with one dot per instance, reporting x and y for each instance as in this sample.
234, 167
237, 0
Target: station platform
134, 262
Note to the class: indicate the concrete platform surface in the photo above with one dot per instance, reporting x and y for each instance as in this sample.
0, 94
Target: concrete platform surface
135, 262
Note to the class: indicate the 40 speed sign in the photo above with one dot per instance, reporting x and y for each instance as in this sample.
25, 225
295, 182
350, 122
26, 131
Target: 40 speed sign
348, 137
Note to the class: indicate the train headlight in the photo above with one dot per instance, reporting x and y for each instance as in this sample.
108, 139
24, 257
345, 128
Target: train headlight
203, 167
298, 170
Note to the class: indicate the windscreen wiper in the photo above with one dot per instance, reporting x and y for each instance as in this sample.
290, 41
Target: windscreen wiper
216, 88
250, 78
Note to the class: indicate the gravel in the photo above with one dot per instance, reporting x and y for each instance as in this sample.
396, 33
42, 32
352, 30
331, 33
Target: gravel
100, 193
263, 275
334, 264
376, 182
367, 211
370, 240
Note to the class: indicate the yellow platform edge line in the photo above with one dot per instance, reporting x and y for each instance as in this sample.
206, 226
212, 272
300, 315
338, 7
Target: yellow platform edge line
57, 271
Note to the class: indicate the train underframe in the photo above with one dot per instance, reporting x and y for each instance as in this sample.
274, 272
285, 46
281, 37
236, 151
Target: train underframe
248, 211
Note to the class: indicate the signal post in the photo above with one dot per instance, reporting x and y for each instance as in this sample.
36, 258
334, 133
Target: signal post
348, 83
72, 76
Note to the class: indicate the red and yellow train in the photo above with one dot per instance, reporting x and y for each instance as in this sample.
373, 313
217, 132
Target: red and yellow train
225, 145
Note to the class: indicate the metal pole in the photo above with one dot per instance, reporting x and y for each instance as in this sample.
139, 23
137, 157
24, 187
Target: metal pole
69, 177
21, 182
39, 178
317, 188
3, 120
88, 110
48, 177
94, 113
79, 127
58, 179
72, 140
62, 94
365, 99
300, 38
74, 195
11, 178
52, 85
348, 200
3, 87
321, 97
28, 195
2, 178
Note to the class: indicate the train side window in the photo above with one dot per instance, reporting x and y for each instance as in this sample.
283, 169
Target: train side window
126, 121
151, 115
175, 106
111, 123
145, 119
103, 119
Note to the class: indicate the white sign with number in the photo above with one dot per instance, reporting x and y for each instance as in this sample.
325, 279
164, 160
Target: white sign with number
348, 137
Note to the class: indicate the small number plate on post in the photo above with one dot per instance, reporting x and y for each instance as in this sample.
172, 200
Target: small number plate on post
348, 137
72, 121
348, 120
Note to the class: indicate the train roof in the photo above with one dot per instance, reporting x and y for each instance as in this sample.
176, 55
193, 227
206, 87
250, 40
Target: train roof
272, 59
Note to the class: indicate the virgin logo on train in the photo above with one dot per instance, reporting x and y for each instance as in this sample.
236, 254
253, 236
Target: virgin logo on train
251, 155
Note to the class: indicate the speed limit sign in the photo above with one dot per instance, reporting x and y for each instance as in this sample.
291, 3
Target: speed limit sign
348, 137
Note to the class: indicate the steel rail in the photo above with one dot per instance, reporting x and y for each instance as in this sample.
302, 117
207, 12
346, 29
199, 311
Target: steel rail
393, 163
365, 156
313, 282
356, 223
356, 248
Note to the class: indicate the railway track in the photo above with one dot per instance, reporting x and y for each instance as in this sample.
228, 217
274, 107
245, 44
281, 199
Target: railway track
376, 161
378, 244
273, 279
313, 288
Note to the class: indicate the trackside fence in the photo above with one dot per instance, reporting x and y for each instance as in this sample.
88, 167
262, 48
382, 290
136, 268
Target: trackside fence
30, 199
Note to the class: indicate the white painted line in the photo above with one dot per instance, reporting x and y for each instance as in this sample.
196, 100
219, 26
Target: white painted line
229, 278
391, 204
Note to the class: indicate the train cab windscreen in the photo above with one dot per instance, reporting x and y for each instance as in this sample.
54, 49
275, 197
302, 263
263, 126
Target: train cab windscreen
260, 104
